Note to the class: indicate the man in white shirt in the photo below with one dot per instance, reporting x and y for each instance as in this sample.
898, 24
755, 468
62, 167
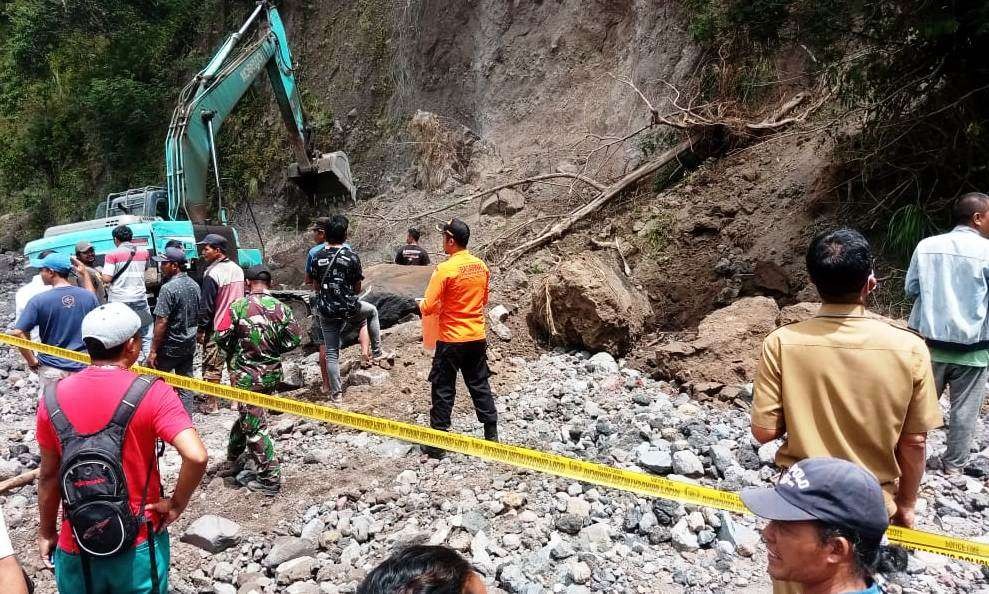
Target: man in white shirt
123, 273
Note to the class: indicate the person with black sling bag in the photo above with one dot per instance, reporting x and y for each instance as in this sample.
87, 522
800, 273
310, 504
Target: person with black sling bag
336, 303
123, 273
98, 436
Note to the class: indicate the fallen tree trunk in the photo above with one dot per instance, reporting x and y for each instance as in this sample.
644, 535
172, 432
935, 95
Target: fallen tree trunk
702, 131
581, 178
18, 481
558, 230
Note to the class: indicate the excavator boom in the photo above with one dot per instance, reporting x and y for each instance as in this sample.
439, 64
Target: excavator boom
209, 98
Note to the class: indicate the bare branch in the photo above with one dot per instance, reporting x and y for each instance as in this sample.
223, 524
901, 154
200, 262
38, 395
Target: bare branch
615, 245
591, 182
560, 229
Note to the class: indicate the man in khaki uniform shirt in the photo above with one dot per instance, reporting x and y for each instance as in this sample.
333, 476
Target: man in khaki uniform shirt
844, 385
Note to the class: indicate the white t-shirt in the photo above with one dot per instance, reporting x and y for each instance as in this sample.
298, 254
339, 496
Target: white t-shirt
6, 549
129, 287
34, 287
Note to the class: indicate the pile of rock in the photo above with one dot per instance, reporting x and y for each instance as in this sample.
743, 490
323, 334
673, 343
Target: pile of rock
531, 533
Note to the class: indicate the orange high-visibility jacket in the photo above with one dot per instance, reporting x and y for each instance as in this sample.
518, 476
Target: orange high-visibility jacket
458, 292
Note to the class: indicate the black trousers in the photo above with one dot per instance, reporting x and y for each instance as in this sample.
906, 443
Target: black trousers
470, 359
181, 365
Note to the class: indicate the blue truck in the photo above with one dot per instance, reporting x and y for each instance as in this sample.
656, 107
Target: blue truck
179, 210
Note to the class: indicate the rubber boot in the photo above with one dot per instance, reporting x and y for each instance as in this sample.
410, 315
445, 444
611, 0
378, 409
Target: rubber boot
491, 431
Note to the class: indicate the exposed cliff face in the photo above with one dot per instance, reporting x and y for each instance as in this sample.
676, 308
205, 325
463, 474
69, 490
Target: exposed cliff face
536, 84
530, 78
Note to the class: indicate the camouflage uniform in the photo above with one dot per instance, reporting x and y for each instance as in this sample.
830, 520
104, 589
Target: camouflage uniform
261, 330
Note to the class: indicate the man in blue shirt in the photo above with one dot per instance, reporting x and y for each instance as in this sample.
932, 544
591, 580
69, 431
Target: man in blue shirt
949, 278
826, 518
57, 314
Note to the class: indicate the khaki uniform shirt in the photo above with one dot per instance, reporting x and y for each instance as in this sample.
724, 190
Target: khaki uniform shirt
844, 385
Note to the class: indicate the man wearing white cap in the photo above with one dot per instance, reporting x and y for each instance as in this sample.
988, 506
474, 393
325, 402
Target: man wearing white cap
87, 405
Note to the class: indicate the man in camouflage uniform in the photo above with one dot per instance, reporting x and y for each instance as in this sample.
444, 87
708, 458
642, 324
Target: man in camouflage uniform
261, 330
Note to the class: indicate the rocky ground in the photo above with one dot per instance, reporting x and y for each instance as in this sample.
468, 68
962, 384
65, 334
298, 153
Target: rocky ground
349, 498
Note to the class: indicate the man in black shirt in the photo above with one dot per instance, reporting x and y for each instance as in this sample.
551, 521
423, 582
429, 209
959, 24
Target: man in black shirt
173, 342
412, 254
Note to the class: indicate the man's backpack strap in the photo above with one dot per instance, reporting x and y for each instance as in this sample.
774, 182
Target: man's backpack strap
131, 400
125, 410
329, 267
120, 272
62, 426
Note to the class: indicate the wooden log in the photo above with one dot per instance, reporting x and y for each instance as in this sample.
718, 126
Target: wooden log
18, 481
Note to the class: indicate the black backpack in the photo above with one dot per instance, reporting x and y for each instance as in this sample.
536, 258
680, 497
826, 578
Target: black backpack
93, 485
335, 297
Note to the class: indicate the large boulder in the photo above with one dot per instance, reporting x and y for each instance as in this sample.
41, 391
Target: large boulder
504, 202
587, 303
393, 289
727, 347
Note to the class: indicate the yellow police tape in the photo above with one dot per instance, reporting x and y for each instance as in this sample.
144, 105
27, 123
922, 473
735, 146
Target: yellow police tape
588, 472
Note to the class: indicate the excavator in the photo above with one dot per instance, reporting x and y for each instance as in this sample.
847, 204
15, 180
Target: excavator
179, 211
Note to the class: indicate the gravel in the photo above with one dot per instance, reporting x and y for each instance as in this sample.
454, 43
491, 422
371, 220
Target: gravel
525, 532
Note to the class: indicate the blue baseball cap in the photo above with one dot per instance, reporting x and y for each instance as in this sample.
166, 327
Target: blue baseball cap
60, 263
828, 490
217, 241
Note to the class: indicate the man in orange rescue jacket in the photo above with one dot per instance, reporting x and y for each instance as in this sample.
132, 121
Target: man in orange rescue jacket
458, 293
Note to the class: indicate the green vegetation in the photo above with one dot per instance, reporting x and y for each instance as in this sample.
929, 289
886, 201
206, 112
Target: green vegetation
911, 74
660, 231
86, 90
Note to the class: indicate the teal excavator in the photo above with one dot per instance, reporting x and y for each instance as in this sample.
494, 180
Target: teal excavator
180, 211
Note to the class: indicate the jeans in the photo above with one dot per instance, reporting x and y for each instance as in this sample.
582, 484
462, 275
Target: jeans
142, 309
967, 392
332, 331
180, 365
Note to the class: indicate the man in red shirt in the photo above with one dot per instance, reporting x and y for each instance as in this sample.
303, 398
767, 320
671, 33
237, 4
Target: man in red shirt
88, 399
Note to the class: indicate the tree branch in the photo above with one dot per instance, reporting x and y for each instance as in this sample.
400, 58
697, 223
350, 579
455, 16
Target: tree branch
591, 182
561, 228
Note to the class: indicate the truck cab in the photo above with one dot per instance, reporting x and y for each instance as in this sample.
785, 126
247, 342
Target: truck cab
149, 202
145, 211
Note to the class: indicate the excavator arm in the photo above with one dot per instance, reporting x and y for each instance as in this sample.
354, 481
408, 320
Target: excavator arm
210, 97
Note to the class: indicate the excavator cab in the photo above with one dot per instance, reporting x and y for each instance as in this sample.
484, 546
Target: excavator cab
328, 176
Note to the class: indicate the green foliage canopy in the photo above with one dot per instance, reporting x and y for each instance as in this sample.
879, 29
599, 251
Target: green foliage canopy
86, 90
913, 77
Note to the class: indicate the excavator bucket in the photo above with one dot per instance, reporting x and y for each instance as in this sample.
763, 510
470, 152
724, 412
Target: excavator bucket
329, 175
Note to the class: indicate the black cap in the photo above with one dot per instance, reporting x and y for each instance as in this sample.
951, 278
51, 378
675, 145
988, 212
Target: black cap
320, 224
259, 272
217, 241
828, 490
456, 229
172, 254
